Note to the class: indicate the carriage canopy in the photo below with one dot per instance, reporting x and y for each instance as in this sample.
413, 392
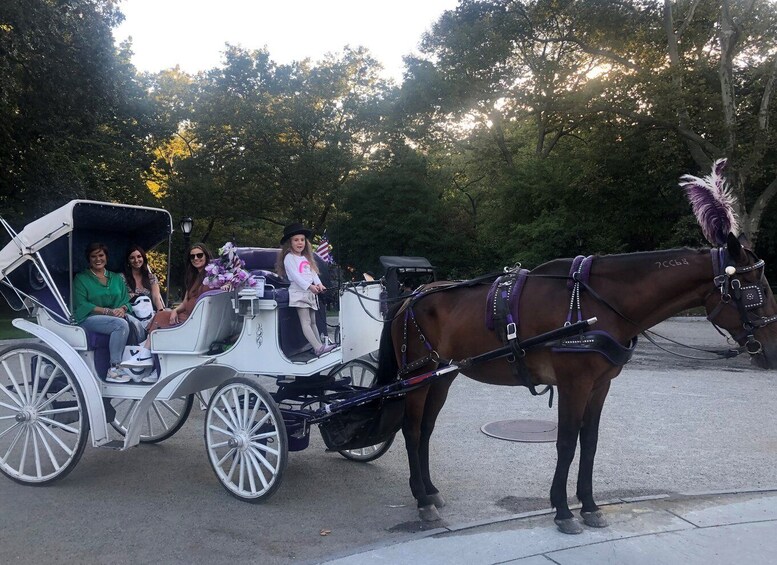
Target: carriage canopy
59, 239
82, 222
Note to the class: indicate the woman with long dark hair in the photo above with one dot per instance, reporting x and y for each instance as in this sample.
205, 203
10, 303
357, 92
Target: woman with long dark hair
199, 256
139, 278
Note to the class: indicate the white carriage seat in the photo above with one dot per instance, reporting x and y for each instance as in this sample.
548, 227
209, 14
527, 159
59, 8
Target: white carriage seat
213, 319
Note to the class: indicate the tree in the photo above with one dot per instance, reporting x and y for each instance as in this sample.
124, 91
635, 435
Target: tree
284, 138
74, 119
702, 70
741, 41
393, 210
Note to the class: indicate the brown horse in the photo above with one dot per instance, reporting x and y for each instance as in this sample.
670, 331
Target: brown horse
627, 293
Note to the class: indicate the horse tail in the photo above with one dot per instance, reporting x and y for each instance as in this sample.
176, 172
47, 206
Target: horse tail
388, 368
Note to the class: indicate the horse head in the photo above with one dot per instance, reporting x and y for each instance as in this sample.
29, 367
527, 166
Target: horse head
742, 302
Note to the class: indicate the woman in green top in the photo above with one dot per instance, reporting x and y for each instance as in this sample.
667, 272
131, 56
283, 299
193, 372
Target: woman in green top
101, 305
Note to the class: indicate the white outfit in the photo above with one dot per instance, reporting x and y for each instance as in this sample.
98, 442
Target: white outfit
301, 276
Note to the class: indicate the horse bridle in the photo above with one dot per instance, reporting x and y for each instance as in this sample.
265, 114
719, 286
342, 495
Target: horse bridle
745, 298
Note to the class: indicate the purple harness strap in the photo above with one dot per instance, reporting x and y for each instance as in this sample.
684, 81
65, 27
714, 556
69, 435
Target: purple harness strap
585, 270
579, 272
490, 304
501, 291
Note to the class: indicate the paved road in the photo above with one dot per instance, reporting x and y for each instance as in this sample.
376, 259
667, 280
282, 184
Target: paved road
669, 425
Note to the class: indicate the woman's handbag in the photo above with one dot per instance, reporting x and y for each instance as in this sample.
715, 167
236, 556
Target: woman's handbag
142, 309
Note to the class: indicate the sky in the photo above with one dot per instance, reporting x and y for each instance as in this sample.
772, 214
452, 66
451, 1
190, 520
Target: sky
193, 33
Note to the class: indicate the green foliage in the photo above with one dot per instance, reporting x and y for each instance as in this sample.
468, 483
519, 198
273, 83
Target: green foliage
393, 211
526, 130
284, 137
74, 118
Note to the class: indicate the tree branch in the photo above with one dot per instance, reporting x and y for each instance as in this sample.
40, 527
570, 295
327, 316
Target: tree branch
759, 207
499, 136
688, 18
684, 131
763, 112
607, 54
696, 144
729, 37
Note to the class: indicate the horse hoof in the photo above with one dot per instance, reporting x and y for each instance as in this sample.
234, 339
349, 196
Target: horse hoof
569, 526
594, 519
429, 513
437, 500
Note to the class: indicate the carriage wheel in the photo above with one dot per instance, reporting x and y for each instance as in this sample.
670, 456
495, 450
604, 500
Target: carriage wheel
246, 439
43, 419
163, 419
361, 374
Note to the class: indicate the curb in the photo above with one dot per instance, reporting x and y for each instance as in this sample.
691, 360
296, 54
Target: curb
546, 512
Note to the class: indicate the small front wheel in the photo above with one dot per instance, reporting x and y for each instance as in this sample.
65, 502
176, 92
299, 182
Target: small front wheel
43, 417
246, 439
369, 453
361, 374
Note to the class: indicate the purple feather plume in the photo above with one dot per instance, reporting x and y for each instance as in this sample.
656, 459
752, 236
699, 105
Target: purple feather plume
712, 203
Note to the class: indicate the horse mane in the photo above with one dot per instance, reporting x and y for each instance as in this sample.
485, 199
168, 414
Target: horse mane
712, 203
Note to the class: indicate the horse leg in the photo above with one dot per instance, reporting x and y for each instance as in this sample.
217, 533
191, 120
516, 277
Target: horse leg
411, 428
589, 437
572, 400
435, 400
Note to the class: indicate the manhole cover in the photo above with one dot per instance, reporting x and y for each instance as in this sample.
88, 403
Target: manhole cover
530, 431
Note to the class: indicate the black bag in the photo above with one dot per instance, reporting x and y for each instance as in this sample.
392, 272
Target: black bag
365, 425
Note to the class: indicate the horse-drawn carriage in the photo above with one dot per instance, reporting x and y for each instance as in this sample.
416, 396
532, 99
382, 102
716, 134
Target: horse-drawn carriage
263, 392
523, 328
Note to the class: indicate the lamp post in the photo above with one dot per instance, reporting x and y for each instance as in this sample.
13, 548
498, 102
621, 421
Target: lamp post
186, 224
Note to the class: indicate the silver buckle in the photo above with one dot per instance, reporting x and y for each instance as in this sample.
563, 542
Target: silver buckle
512, 331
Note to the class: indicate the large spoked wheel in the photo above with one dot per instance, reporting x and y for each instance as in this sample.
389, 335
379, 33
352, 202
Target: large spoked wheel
43, 418
246, 439
162, 420
361, 374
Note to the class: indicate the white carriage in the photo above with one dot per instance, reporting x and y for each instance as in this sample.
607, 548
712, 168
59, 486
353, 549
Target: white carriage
261, 402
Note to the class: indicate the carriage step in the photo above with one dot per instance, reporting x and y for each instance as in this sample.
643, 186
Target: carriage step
116, 444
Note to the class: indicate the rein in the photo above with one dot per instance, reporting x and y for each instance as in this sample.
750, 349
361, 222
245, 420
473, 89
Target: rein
416, 295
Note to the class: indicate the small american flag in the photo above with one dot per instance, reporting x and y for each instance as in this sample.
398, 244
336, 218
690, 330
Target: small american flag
324, 249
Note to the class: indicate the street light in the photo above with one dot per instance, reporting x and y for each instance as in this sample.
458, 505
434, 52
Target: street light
186, 224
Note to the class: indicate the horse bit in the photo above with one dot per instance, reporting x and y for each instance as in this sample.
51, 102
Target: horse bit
745, 298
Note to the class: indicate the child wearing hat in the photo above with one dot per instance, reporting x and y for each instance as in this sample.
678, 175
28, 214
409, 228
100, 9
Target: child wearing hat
296, 263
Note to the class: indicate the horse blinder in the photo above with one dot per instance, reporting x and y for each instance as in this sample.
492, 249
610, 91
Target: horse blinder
745, 297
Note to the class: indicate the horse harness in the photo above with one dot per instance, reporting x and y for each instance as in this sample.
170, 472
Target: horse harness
746, 298
502, 309
502, 316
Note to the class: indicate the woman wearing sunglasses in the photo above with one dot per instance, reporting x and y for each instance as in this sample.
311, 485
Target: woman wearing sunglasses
199, 256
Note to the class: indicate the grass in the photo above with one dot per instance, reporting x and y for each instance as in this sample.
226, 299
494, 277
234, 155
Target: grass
7, 331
